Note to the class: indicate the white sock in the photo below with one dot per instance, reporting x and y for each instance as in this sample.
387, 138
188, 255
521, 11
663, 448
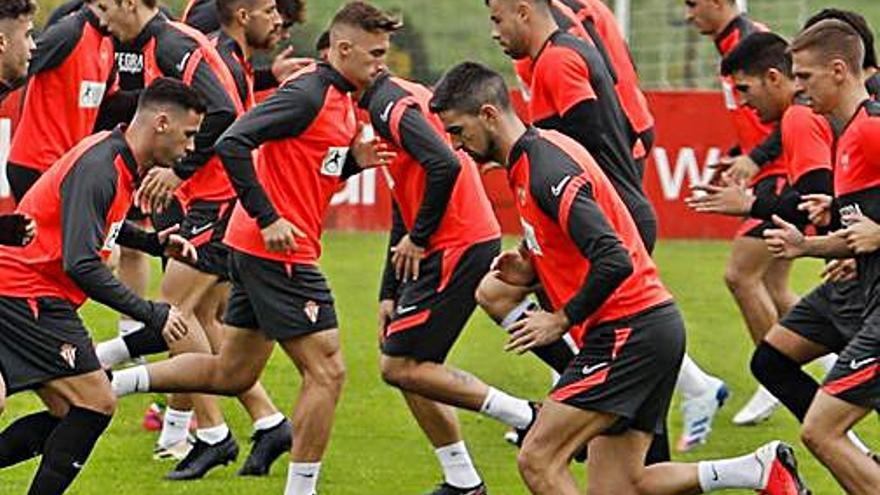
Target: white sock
458, 468
507, 409
112, 352
214, 434
516, 313
827, 362
175, 426
739, 472
268, 422
131, 380
693, 381
302, 478
126, 326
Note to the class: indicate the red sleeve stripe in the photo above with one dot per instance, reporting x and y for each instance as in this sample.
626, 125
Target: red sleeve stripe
191, 65
397, 112
849, 382
409, 322
568, 196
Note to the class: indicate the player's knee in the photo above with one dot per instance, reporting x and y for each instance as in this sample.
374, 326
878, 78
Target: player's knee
103, 402
812, 437
330, 374
2, 403
396, 372
532, 466
489, 298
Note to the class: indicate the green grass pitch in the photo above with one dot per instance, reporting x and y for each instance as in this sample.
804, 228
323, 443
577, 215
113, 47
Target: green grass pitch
377, 448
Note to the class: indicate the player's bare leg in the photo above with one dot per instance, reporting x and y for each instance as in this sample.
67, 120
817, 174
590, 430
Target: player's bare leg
435, 382
776, 279
749, 262
272, 431
825, 433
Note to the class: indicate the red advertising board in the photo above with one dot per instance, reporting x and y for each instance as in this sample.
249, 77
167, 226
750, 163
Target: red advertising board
693, 130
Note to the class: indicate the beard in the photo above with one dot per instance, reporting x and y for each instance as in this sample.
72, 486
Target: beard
265, 42
487, 156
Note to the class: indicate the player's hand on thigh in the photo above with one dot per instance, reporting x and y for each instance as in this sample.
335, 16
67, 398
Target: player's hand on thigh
538, 329
406, 258
818, 208
280, 236
862, 235
514, 267
839, 270
175, 327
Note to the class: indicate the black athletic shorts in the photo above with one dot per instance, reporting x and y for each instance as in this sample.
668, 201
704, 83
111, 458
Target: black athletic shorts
855, 377
830, 315
772, 186
432, 311
21, 179
204, 226
42, 339
628, 368
283, 300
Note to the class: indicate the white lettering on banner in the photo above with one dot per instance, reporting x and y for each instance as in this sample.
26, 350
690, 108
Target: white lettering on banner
359, 190
671, 181
5, 145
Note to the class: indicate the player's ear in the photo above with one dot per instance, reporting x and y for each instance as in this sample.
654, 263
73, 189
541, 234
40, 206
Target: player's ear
489, 112
839, 70
161, 122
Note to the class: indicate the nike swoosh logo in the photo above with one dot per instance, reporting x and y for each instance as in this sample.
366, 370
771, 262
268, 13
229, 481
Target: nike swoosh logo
77, 465
386, 114
199, 230
182, 65
557, 189
589, 370
306, 475
714, 473
401, 310
854, 364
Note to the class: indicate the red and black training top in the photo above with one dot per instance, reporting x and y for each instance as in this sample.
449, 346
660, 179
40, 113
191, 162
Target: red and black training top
210, 183
70, 72
439, 197
750, 131
807, 140
857, 187
304, 131
80, 205
584, 244
572, 91
166, 48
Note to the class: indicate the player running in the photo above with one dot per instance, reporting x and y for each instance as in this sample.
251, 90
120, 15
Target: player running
309, 143
586, 251
443, 241
80, 206
828, 69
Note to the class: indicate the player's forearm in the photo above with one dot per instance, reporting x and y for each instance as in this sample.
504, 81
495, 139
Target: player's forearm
132, 236
826, 246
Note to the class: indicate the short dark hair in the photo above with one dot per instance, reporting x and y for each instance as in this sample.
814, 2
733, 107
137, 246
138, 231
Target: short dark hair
149, 3
467, 87
758, 53
367, 17
323, 41
832, 39
226, 9
170, 91
13, 9
292, 11
857, 22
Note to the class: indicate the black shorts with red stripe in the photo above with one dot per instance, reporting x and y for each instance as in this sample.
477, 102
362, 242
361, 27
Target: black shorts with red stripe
628, 368
42, 339
432, 311
772, 186
283, 300
830, 315
855, 377
204, 225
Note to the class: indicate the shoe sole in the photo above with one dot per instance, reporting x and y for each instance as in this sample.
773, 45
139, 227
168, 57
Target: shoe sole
786, 457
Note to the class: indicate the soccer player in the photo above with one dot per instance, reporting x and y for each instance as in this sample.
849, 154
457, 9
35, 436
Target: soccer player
16, 47
573, 91
444, 239
828, 68
200, 289
587, 253
757, 281
73, 57
827, 318
309, 142
80, 206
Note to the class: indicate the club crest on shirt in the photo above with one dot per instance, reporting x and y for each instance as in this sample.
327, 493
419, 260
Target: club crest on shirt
334, 161
311, 309
844, 161
68, 354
